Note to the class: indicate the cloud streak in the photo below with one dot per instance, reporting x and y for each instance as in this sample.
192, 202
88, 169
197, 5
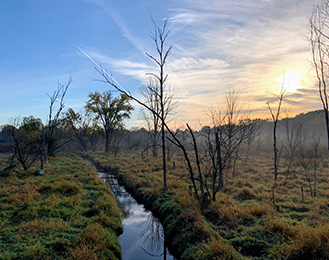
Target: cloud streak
227, 44
256, 40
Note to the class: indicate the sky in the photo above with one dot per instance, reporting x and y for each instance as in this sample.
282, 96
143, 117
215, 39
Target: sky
218, 46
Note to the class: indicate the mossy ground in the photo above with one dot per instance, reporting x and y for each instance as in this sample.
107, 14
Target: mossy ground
66, 213
242, 222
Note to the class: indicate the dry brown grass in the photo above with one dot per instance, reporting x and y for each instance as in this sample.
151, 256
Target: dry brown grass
244, 208
48, 225
92, 244
27, 192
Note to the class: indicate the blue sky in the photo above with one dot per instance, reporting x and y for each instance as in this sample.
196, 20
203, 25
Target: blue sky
217, 45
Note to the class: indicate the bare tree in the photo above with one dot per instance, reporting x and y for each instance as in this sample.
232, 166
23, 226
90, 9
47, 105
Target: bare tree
53, 119
172, 137
319, 39
310, 158
221, 149
234, 126
275, 118
316, 157
26, 140
251, 135
294, 139
159, 37
150, 91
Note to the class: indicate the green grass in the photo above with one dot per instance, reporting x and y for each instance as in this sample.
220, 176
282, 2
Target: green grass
66, 213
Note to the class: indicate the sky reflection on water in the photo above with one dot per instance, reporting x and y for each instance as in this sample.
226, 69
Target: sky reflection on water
142, 237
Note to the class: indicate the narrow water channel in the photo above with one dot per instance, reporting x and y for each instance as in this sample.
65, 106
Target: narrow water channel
142, 237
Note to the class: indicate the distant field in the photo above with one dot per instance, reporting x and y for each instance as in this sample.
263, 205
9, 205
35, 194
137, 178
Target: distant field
243, 221
67, 213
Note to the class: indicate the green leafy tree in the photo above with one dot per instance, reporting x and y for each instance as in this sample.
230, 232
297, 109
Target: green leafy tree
110, 111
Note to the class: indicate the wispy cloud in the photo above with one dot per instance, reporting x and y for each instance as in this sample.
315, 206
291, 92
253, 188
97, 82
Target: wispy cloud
189, 63
256, 40
223, 44
134, 69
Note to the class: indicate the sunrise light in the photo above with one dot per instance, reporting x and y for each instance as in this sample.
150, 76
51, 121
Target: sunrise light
291, 81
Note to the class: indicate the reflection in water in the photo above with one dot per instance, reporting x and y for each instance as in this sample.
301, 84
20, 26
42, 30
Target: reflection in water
142, 237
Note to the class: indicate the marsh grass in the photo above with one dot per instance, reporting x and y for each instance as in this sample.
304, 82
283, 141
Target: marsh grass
243, 221
66, 213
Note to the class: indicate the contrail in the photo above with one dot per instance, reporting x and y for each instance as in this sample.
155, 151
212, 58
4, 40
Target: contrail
93, 61
120, 22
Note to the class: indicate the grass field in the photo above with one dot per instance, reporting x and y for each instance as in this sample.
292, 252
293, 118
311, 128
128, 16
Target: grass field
243, 222
66, 213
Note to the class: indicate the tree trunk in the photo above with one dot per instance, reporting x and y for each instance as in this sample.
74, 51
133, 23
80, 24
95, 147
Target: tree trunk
154, 141
42, 167
219, 165
327, 124
164, 164
107, 141
197, 162
275, 153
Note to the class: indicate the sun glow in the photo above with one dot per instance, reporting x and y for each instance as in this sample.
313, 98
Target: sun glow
291, 81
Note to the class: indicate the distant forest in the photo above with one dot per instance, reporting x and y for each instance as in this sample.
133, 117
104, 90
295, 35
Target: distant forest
70, 136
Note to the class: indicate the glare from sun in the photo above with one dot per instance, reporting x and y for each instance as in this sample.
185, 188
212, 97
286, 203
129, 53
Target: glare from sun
291, 81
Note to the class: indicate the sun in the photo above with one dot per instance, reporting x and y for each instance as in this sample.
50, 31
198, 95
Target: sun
291, 81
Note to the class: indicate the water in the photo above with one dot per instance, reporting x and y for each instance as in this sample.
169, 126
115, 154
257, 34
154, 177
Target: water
142, 237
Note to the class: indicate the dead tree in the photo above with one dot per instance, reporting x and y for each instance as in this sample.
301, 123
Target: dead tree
26, 140
310, 158
172, 138
294, 139
275, 118
319, 39
315, 146
53, 119
150, 91
251, 135
159, 37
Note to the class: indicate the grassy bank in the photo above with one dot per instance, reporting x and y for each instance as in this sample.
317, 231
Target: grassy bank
189, 235
242, 223
66, 213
